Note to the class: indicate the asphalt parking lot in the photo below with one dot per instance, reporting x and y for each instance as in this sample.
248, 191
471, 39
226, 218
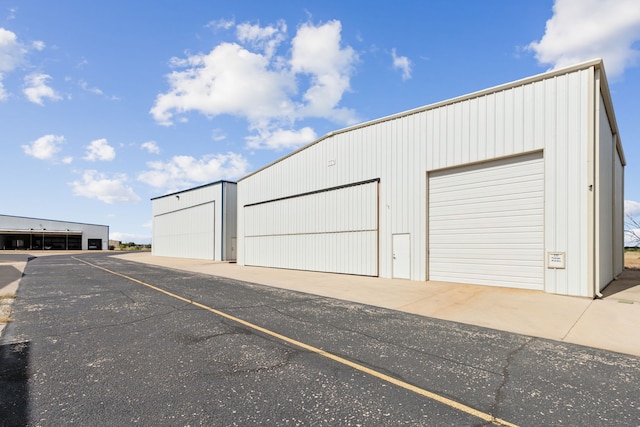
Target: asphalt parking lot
111, 342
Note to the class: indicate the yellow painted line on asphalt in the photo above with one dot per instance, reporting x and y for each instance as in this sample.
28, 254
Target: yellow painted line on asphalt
430, 395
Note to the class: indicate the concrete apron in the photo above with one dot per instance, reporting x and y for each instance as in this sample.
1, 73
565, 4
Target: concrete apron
610, 323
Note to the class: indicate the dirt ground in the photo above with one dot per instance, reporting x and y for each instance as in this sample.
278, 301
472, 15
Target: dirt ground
632, 259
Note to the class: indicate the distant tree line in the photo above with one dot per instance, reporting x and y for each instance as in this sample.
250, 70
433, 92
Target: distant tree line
131, 246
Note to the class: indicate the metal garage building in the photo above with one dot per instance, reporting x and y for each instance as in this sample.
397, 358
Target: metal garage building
196, 223
21, 233
520, 185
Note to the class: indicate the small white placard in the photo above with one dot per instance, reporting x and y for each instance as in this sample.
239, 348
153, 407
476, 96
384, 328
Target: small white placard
556, 259
331, 162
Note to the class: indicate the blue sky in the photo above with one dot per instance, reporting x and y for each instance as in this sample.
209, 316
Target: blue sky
106, 104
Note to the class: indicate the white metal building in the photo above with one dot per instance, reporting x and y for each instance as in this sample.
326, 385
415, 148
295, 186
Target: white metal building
520, 185
196, 223
21, 233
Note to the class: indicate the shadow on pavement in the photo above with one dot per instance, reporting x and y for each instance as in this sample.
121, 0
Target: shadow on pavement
14, 384
628, 283
8, 274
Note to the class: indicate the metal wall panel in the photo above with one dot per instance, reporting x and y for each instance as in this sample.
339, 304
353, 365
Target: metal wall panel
564, 116
618, 215
605, 199
229, 220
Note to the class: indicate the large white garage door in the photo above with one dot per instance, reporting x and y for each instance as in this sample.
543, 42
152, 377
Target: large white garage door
335, 230
186, 233
486, 223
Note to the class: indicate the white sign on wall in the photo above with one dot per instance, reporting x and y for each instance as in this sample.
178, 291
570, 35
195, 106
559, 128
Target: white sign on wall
556, 259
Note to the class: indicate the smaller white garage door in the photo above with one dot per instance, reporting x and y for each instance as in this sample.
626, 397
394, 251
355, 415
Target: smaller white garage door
486, 223
186, 233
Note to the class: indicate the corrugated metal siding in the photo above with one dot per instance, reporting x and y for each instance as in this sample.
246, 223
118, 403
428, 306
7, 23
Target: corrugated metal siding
563, 124
486, 223
188, 224
549, 114
605, 216
230, 221
334, 231
618, 217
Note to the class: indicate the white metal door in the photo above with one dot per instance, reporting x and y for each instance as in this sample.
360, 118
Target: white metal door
401, 256
232, 256
486, 223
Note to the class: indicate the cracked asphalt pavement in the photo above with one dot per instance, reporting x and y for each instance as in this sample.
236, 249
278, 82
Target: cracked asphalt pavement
88, 347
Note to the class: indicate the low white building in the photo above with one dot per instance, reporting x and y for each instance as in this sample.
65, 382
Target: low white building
520, 185
22, 233
196, 223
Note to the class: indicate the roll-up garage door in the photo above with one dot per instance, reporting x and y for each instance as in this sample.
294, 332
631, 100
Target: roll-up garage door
486, 223
333, 230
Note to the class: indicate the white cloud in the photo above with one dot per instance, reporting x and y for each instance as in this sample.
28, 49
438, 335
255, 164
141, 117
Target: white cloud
218, 135
100, 150
221, 24
186, 171
281, 139
45, 147
580, 30
95, 185
3, 93
631, 208
254, 83
38, 45
403, 64
12, 54
85, 86
36, 89
316, 51
151, 147
96, 91
228, 80
266, 39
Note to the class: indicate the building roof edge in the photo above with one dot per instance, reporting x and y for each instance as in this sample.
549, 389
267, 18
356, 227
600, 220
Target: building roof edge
596, 63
